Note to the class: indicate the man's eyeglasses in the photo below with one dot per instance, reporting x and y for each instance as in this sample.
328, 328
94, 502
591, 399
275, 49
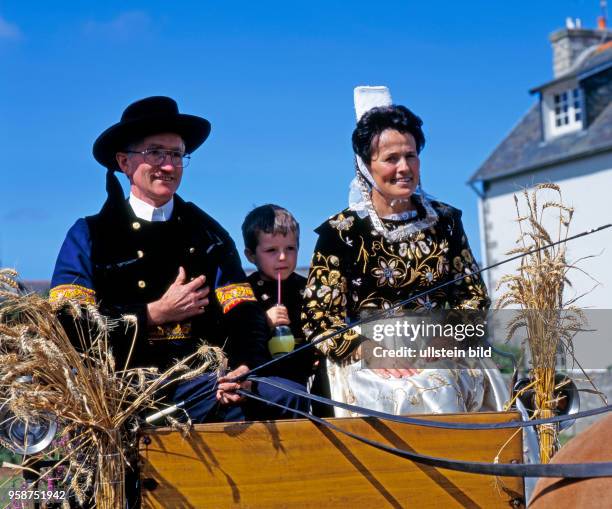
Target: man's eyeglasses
157, 157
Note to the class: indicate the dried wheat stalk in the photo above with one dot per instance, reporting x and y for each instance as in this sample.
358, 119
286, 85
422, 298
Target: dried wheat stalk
537, 290
96, 406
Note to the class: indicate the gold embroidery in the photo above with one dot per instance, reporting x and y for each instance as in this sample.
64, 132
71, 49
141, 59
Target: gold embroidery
387, 271
231, 295
342, 223
371, 272
170, 331
72, 292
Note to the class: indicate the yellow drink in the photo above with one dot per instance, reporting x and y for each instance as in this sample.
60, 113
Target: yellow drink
281, 342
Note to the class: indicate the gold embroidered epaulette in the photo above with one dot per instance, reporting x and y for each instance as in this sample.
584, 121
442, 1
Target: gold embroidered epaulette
72, 292
230, 296
170, 331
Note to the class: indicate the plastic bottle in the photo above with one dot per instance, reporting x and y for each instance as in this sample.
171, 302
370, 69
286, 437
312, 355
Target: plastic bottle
282, 341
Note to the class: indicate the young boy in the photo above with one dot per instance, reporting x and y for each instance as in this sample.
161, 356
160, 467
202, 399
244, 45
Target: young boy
271, 239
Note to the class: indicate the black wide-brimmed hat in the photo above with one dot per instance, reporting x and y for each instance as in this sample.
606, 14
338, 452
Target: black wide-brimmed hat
152, 115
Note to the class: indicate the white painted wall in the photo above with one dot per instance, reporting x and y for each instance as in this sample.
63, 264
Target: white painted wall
587, 186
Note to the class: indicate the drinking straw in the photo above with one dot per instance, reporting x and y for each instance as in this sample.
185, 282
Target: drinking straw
278, 290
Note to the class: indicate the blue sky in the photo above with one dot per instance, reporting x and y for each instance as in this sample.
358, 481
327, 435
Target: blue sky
275, 79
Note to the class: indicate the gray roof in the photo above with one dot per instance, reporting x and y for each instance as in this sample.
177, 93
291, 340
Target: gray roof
523, 149
600, 59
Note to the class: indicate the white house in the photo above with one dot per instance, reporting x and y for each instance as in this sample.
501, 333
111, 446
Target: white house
565, 138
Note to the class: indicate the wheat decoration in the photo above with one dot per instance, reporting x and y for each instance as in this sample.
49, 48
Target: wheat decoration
98, 406
536, 289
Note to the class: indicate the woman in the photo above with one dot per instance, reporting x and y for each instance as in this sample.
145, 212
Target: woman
390, 243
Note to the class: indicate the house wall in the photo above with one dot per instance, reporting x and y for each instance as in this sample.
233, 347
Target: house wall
586, 185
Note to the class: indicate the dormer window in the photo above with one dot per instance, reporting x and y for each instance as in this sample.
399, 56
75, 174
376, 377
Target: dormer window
568, 107
563, 110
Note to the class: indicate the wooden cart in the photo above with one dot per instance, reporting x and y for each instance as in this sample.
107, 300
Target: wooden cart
291, 464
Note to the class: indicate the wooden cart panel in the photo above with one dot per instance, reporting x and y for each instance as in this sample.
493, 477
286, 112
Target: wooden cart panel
300, 464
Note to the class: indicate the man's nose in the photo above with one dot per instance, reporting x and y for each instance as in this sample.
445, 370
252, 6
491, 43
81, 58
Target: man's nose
281, 256
166, 164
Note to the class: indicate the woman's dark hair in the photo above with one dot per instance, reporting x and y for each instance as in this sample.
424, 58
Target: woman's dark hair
376, 120
268, 219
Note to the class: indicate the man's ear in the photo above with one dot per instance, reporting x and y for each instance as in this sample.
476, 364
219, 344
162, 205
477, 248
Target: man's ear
249, 254
122, 161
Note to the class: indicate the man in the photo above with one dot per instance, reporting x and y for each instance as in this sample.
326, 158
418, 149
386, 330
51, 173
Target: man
157, 257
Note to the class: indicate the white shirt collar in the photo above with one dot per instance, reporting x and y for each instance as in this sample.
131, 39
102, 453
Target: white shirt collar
148, 212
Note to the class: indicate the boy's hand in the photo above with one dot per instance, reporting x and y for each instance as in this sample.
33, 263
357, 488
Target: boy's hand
277, 315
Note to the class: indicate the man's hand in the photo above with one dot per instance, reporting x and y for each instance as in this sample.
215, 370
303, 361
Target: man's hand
396, 373
277, 315
182, 300
226, 390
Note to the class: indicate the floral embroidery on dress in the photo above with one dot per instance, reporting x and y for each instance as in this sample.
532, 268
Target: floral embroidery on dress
342, 223
386, 272
426, 303
374, 273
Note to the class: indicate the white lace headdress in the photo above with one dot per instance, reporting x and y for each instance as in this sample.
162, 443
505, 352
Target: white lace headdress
360, 191
365, 99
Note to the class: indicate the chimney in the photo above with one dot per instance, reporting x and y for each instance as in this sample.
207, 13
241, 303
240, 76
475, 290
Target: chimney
569, 42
